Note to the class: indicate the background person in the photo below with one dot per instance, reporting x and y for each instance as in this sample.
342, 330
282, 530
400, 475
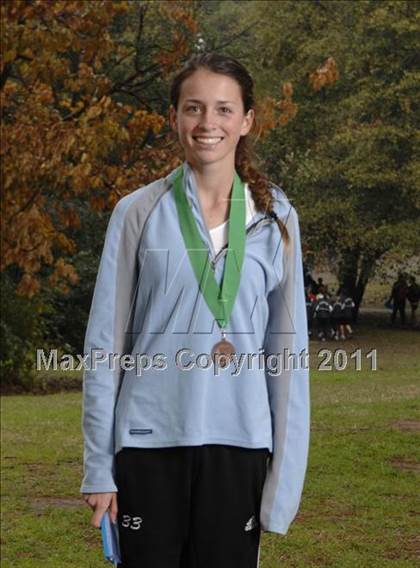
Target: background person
346, 321
398, 296
323, 311
336, 317
413, 296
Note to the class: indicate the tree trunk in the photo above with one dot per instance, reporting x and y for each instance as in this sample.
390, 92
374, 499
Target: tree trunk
347, 270
354, 273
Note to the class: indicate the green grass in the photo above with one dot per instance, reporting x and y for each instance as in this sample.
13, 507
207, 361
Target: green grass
359, 503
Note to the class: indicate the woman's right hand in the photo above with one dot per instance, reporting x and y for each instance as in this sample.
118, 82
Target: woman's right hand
100, 503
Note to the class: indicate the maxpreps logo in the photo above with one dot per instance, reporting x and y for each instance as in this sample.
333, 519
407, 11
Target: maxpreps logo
185, 360
91, 361
160, 304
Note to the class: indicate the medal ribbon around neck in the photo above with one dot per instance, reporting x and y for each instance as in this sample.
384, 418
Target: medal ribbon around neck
220, 299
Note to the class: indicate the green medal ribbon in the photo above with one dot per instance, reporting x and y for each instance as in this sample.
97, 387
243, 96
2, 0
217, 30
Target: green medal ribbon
220, 299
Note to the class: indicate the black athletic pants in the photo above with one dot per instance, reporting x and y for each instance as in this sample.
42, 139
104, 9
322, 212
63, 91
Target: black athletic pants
398, 307
190, 506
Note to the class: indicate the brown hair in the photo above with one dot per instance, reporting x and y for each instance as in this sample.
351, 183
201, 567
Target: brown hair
244, 157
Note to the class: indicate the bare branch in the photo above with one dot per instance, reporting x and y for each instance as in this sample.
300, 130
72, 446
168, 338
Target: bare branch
142, 14
5, 74
27, 204
233, 38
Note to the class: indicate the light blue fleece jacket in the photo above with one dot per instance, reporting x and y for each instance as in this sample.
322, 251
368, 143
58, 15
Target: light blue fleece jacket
167, 391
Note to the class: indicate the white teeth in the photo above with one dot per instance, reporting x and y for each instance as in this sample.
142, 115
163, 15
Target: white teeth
208, 140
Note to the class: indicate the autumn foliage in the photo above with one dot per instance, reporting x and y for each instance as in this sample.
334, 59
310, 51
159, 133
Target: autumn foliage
83, 99
326, 74
73, 130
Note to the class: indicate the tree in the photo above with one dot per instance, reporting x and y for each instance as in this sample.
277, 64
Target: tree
350, 158
83, 88
76, 77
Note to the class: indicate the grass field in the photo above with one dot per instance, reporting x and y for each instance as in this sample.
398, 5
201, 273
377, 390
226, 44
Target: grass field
359, 507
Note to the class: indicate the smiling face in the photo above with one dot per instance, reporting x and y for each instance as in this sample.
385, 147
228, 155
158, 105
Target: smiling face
210, 118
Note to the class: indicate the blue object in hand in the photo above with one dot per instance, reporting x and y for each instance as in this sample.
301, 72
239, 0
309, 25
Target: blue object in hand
110, 539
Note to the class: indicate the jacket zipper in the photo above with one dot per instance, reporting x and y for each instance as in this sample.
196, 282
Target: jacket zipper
249, 231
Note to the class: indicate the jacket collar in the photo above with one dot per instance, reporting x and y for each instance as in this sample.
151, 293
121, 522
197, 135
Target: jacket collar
191, 191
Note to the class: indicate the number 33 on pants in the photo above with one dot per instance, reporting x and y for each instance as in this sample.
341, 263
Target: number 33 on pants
133, 523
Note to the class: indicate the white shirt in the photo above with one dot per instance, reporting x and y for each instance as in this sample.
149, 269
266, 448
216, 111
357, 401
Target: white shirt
219, 234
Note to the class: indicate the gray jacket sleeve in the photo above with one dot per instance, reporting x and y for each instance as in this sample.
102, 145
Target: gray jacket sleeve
287, 333
107, 333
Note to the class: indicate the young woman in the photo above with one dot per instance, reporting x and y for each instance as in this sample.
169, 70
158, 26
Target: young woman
198, 438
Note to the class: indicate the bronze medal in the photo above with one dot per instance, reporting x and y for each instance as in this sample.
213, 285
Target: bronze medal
222, 353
